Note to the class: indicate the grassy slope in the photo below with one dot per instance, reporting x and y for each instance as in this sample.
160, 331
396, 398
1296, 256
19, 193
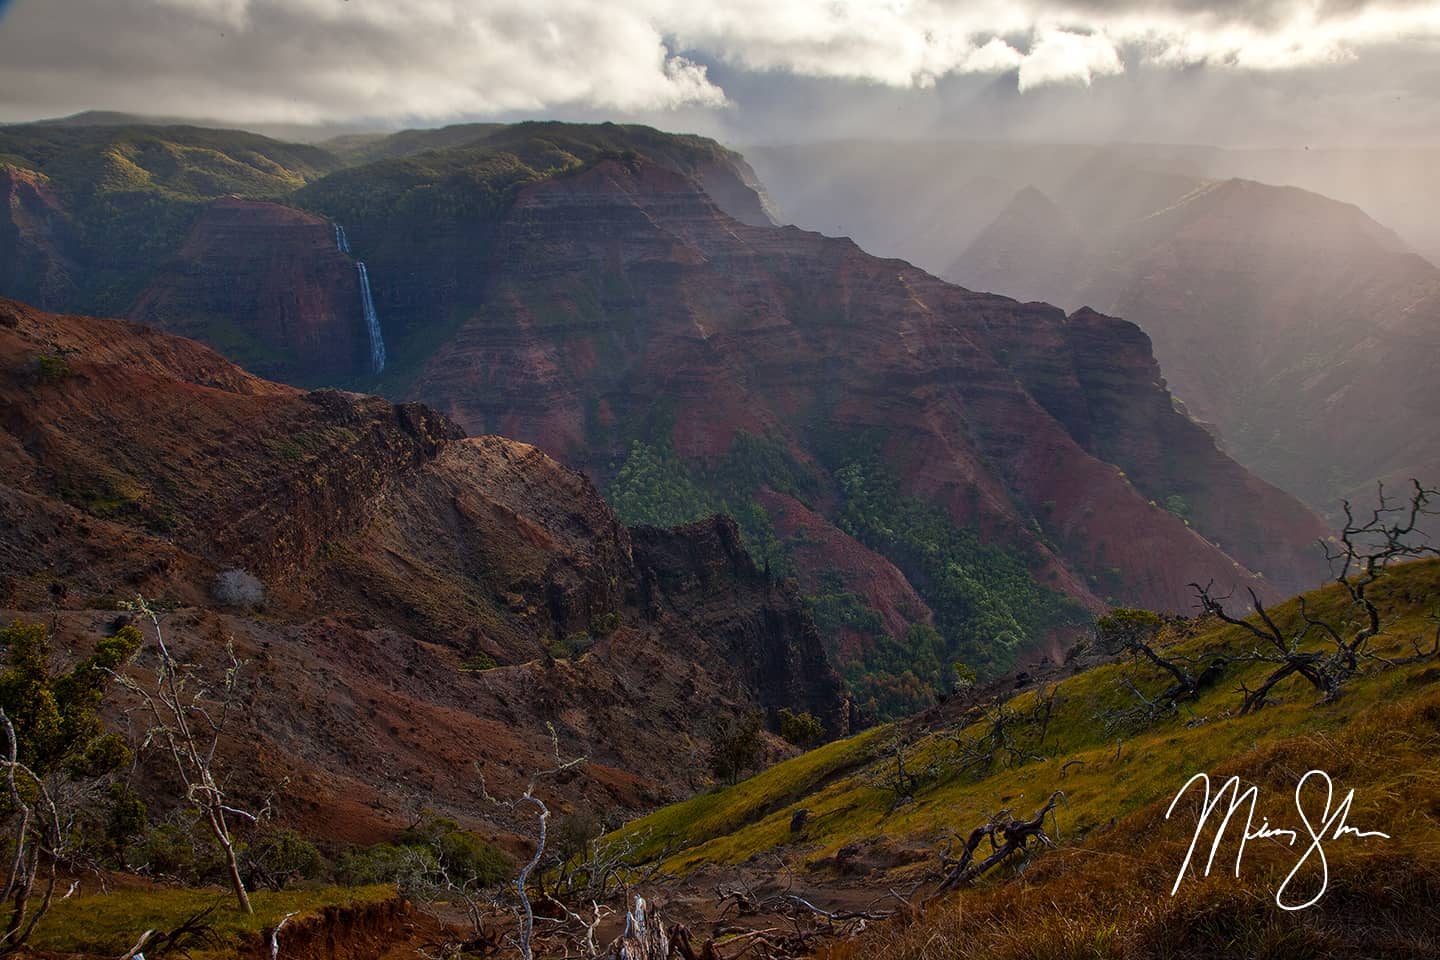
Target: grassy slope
109, 924
1115, 847
473, 171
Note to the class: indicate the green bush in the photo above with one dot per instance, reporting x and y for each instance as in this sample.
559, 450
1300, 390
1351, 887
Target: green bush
176, 850
367, 866
126, 819
572, 647
422, 853
1125, 627
465, 855
734, 747
52, 367
604, 624
478, 662
801, 728
279, 857
54, 715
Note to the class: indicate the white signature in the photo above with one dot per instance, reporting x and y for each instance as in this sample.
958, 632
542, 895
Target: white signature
1331, 825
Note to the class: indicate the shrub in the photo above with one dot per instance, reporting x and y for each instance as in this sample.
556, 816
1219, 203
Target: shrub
1125, 627
604, 624
464, 854
52, 367
237, 588
177, 850
280, 857
800, 728
126, 819
367, 866
735, 747
1179, 506
572, 647
477, 662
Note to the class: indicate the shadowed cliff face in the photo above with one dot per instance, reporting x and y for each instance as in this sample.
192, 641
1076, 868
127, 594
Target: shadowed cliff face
394, 552
1300, 328
623, 291
37, 239
266, 284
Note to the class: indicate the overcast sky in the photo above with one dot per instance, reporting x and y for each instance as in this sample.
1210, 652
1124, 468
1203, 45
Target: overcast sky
1283, 72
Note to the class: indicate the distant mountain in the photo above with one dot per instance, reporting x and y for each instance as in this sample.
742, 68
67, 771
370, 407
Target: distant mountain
1306, 332
926, 201
95, 211
290, 132
1029, 252
432, 601
109, 118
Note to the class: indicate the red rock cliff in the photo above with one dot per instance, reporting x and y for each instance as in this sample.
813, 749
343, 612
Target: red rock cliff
624, 288
266, 284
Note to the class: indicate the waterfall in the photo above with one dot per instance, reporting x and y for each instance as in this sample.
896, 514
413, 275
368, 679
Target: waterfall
367, 304
377, 345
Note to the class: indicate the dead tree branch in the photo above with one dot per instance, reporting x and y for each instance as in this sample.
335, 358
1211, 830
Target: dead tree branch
542, 812
1362, 554
189, 727
1007, 837
1011, 737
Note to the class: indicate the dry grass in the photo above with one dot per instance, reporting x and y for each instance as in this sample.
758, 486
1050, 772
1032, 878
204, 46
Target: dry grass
1105, 890
1109, 896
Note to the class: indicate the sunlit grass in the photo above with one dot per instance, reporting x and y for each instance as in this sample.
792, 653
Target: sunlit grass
109, 924
1104, 891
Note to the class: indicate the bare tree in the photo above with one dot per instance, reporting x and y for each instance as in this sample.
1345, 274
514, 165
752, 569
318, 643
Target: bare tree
37, 831
1011, 736
542, 814
599, 914
428, 877
606, 861
1361, 555
899, 773
188, 727
1133, 632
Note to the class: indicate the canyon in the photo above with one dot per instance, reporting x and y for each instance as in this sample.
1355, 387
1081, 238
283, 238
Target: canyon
623, 300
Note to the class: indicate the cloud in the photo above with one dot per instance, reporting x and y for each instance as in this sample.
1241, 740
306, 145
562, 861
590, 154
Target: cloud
433, 60
1060, 56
